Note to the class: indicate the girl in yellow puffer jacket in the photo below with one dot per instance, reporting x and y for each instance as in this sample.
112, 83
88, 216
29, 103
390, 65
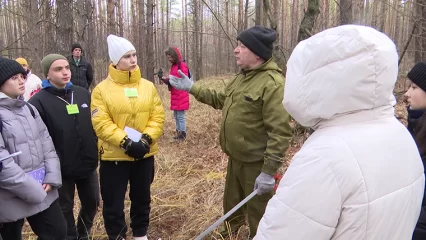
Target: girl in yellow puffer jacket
128, 118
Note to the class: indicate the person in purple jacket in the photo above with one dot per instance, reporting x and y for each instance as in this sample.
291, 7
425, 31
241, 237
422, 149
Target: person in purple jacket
29, 182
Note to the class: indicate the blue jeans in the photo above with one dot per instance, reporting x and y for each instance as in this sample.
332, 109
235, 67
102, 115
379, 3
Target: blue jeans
180, 120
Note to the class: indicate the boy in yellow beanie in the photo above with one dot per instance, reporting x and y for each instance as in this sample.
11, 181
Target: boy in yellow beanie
32, 83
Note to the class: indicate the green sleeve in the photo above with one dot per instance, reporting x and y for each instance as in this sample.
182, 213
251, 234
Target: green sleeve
277, 124
210, 97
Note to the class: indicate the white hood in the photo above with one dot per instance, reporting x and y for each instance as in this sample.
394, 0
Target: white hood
339, 71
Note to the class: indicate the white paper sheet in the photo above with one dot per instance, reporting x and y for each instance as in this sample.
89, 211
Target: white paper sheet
133, 134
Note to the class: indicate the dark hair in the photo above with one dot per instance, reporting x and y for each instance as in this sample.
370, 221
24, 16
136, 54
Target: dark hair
172, 52
420, 135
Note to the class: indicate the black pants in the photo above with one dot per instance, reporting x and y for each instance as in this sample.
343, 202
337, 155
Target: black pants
88, 193
114, 177
47, 225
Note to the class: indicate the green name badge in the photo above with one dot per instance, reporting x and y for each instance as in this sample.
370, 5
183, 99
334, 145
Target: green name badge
72, 109
131, 92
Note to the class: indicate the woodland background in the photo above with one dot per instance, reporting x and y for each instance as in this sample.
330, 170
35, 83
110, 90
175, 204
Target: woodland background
204, 30
190, 175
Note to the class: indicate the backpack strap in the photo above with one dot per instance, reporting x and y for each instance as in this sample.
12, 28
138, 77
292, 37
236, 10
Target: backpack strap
189, 72
31, 109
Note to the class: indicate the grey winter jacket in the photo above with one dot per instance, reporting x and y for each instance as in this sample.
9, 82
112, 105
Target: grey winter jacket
20, 194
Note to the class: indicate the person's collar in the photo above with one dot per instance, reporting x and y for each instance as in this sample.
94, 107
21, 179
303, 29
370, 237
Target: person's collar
47, 84
123, 77
4, 95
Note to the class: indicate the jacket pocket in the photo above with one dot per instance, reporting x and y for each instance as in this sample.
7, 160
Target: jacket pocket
249, 107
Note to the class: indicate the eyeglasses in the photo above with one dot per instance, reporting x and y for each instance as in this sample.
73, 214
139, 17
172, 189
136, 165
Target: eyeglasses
18, 77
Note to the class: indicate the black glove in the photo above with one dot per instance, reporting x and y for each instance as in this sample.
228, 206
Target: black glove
146, 139
137, 150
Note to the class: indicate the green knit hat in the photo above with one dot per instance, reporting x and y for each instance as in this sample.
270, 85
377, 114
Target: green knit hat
48, 60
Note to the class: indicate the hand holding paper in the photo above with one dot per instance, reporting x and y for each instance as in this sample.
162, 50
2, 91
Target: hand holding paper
133, 134
136, 149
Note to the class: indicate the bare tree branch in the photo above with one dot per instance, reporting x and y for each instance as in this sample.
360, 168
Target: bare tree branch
407, 43
221, 26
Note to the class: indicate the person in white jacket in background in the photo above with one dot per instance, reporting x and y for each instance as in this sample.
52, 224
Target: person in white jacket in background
359, 175
32, 83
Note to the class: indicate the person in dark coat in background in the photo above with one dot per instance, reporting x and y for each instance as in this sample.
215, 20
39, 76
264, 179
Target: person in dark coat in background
81, 69
413, 119
416, 97
160, 75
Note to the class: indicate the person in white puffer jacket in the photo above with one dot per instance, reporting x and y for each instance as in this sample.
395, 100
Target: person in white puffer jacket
359, 175
32, 83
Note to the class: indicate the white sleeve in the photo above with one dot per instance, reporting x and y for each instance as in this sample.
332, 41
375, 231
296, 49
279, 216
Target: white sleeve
307, 204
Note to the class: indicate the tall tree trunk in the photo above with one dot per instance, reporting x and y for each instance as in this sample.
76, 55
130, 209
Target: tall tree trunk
64, 19
346, 16
246, 14
15, 29
276, 7
157, 34
398, 22
218, 53
418, 43
48, 29
183, 33
163, 34
200, 49
34, 40
259, 12
358, 5
240, 15
134, 28
196, 40
365, 13
295, 20
149, 40
383, 15
7, 28
309, 19
423, 31
101, 24
227, 20
186, 43
2, 24
90, 47
142, 59
111, 17
79, 24
120, 17
168, 22
374, 17
21, 32
326, 14
283, 22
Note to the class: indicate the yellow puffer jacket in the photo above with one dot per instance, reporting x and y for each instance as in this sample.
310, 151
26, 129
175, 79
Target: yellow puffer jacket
112, 110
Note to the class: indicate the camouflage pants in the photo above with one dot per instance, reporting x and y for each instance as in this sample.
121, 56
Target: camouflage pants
240, 179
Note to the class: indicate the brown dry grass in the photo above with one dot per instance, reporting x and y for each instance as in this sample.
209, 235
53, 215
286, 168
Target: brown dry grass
189, 180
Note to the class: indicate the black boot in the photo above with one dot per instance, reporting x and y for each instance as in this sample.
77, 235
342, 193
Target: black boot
181, 135
178, 133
